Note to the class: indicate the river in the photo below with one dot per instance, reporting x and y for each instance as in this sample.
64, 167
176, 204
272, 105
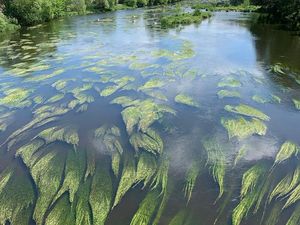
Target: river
111, 119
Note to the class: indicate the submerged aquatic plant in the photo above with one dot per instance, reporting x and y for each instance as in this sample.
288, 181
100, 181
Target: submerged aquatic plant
16, 197
247, 111
82, 207
286, 185
229, 82
49, 167
160, 179
144, 114
190, 180
241, 153
228, 94
146, 168
286, 151
61, 213
152, 83
186, 100
297, 103
216, 162
128, 178
149, 141
259, 99
243, 128
146, 209
16, 97
295, 217
101, 195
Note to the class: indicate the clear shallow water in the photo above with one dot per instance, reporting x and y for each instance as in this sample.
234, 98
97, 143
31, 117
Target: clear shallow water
59, 85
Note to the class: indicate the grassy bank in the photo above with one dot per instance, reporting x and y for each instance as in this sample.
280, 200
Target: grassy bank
7, 24
226, 7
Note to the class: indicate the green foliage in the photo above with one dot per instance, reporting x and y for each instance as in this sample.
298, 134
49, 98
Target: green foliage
184, 18
146, 168
7, 24
190, 180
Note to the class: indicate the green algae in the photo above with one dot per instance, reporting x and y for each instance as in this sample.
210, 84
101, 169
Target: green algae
160, 179
125, 101
109, 90
156, 94
242, 128
186, 100
228, 94
38, 100
146, 209
101, 195
247, 111
295, 217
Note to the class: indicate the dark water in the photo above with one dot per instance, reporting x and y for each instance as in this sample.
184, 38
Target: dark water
64, 76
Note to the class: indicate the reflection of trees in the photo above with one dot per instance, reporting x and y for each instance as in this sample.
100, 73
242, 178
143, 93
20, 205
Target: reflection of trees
28, 45
276, 46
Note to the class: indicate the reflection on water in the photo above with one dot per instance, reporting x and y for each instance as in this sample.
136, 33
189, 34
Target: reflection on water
118, 121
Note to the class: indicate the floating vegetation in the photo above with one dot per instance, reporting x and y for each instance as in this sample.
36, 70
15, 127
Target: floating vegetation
277, 68
16, 197
124, 101
179, 218
287, 150
101, 195
139, 66
186, 100
243, 128
247, 111
146, 209
190, 180
297, 103
16, 98
5, 120
60, 84
276, 99
128, 178
146, 168
109, 90
216, 162
229, 82
82, 108
38, 100
156, 94
228, 94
